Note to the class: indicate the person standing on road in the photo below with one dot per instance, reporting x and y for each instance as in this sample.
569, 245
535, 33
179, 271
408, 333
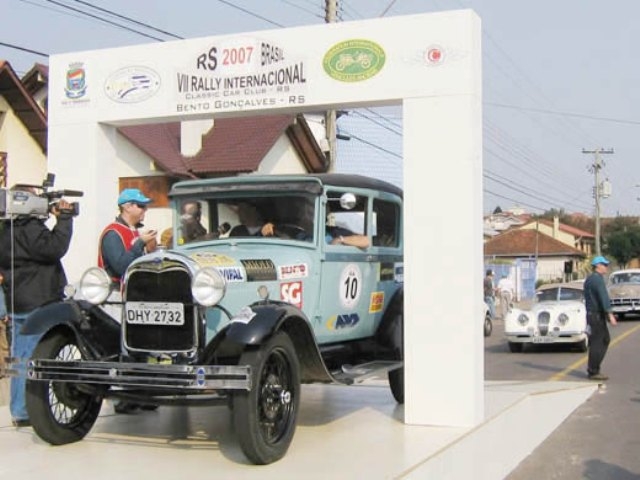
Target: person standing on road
599, 310
490, 293
30, 260
506, 292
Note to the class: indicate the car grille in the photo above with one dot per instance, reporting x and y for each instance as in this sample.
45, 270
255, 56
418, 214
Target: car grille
625, 302
172, 285
543, 322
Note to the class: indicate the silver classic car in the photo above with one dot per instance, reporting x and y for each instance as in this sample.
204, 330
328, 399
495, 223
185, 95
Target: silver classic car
624, 291
557, 315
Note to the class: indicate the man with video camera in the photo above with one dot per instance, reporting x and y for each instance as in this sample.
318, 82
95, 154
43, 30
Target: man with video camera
30, 261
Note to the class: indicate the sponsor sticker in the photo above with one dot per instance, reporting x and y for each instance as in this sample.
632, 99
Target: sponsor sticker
286, 272
386, 271
208, 259
434, 55
342, 321
399, 273
231, 274
354, 60
132, 84
377, 302
291, 292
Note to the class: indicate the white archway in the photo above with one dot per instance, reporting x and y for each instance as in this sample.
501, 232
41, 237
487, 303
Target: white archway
431, 64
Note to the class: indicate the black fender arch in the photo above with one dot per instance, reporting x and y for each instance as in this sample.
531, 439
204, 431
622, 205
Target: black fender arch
391, 329
270, 318
97, 333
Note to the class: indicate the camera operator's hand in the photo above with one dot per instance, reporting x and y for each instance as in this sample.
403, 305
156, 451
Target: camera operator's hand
60, 206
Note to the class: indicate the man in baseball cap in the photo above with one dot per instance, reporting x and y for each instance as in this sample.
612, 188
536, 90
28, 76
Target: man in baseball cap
598, 306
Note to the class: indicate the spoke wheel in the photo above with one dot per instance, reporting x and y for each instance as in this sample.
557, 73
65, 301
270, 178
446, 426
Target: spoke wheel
265, 417
58, 411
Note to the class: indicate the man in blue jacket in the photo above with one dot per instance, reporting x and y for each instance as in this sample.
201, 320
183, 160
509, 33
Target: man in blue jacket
598, 312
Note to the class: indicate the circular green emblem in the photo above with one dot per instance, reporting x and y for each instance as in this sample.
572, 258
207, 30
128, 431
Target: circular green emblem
354, 60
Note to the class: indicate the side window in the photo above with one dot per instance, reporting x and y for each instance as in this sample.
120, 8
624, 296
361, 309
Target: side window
386, 223
341, 221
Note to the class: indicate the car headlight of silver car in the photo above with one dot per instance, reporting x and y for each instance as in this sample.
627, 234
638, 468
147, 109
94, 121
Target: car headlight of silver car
95, 285
563, 319
208, 287
523, 319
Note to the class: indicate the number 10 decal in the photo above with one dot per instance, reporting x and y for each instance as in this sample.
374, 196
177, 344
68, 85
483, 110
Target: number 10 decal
350, 286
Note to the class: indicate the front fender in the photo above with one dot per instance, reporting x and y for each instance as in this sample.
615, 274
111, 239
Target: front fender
273, 317
96, 331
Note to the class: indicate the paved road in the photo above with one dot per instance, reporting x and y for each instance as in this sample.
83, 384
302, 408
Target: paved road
601, 439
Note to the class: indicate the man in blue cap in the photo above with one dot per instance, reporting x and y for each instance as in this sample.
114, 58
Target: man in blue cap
598, 312
121, 243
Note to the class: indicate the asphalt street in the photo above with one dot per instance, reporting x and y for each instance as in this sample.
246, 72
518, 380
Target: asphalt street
601, 439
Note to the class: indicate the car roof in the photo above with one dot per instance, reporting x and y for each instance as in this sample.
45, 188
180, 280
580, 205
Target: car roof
281, 183
572, 285
628, 270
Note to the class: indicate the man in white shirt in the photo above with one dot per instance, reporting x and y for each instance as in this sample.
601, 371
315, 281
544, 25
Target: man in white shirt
507, 293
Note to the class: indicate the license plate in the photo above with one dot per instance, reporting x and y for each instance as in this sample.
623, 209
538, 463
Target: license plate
147, 313
542, 339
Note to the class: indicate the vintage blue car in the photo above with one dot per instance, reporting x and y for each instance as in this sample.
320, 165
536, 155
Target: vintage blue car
270, 282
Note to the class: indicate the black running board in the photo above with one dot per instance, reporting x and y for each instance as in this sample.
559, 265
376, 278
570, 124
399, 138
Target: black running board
350, 374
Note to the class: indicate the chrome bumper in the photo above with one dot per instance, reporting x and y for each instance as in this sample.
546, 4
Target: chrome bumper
189, 377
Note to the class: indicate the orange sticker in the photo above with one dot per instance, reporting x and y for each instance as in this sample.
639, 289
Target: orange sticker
377, 302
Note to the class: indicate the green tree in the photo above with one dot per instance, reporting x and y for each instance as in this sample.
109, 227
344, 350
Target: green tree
622, 240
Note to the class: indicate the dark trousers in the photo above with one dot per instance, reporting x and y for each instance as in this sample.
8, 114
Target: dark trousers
598, 341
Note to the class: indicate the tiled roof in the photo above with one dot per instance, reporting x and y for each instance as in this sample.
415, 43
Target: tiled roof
233, 145
23, 105
576, 232
523, 243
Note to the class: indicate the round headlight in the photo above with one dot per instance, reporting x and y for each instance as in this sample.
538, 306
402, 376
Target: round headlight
563, 319
523, 319
95, 285
208, 287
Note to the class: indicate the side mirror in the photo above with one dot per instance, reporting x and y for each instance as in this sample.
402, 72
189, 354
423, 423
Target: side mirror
348, 201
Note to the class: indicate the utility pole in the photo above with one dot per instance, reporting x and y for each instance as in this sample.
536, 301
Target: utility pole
331, 8
598, 191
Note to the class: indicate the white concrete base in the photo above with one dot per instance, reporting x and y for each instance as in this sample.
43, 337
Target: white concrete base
343, 432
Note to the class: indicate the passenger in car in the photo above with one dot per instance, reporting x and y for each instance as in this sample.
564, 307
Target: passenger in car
343, 236
251, 222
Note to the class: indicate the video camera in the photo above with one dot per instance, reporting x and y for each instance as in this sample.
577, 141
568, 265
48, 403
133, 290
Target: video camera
25, 200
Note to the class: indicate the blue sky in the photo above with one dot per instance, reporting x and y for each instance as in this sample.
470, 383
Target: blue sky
558, 77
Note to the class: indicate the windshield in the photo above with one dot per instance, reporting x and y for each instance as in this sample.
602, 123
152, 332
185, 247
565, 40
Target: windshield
288, 216
559, 294
627, 277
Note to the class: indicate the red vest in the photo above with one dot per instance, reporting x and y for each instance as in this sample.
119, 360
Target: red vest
127, 236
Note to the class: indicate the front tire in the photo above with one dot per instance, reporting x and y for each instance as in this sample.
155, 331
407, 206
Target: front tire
265, 417
488, 326
59, 412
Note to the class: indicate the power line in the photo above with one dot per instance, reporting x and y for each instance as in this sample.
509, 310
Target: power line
249, 12
23, 49
128, 19
104, 20
564, 114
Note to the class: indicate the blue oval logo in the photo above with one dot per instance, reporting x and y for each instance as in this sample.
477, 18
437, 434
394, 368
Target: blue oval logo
132, 84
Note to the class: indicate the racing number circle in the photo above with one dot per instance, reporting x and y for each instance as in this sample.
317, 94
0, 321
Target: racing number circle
350, 286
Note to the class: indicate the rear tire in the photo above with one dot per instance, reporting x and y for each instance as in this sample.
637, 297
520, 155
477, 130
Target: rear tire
265, 417
516, 347
58, 411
